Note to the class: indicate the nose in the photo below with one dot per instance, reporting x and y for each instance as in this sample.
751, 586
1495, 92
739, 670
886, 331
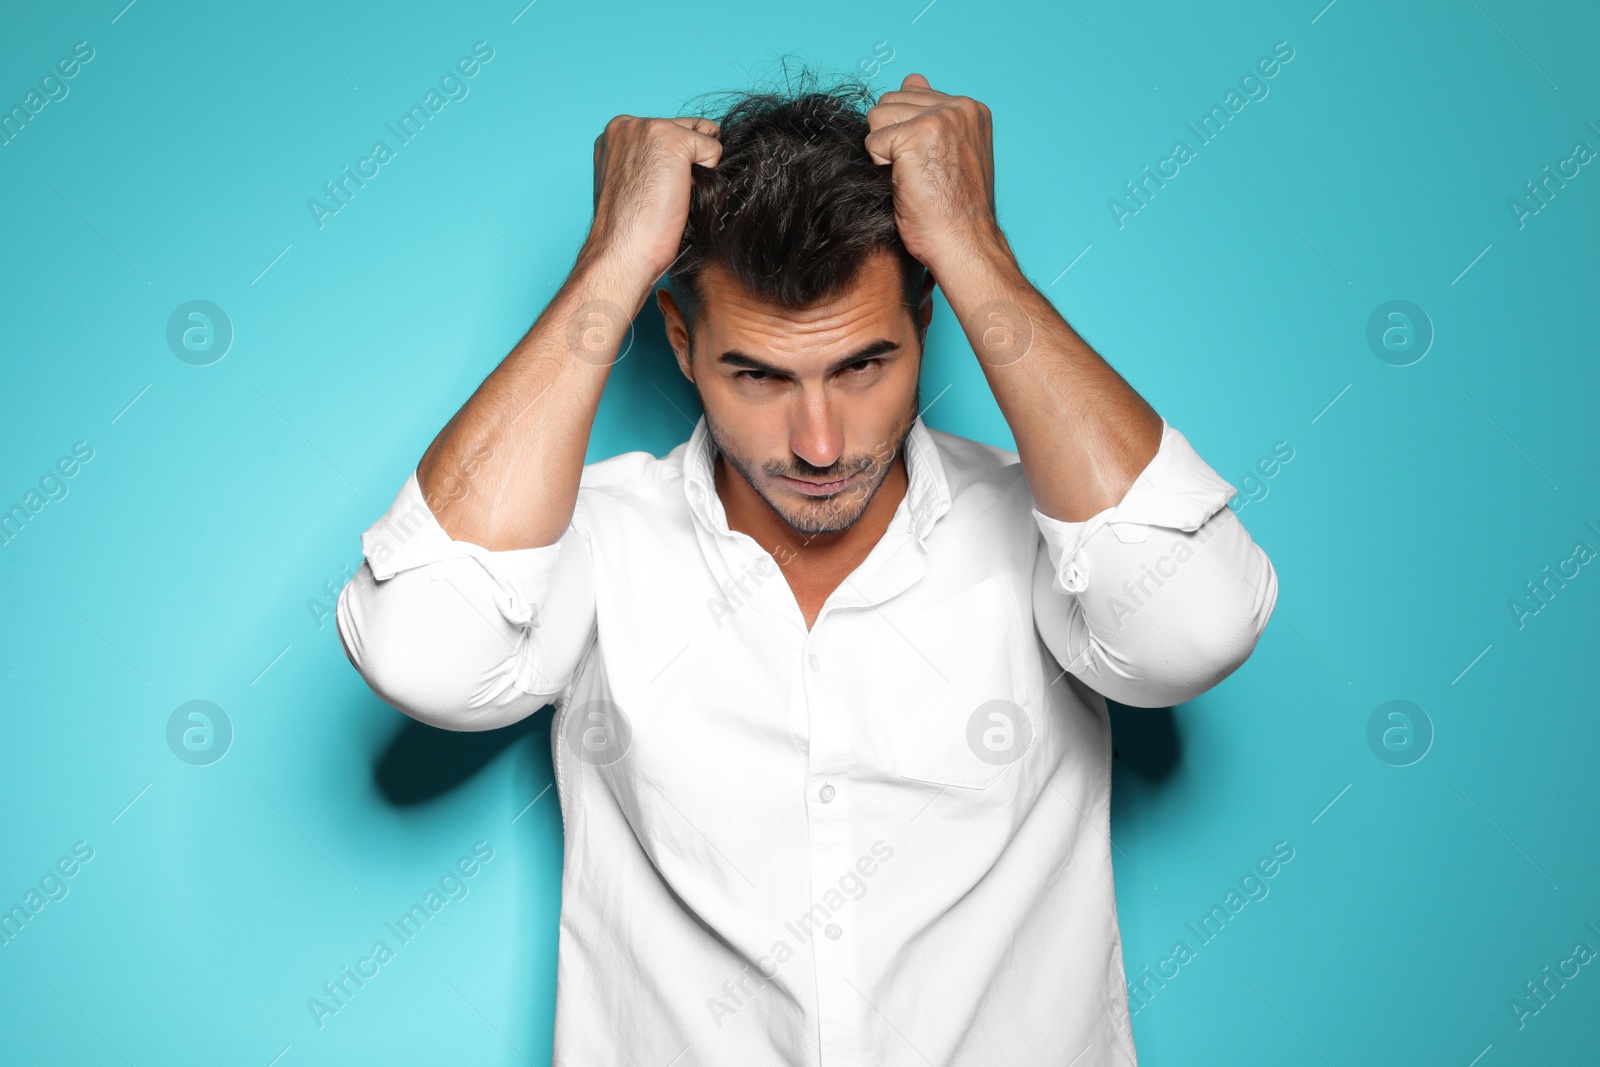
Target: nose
815, 434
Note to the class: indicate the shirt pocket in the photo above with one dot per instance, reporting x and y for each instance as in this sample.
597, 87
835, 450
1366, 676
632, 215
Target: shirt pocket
967, 706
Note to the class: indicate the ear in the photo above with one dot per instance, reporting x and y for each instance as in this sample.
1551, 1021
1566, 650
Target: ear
677, 331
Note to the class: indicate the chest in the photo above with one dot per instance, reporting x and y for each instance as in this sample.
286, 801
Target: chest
813, 580
811, 592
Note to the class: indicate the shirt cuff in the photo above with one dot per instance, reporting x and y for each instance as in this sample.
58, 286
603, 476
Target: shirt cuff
409, 536
1176, 489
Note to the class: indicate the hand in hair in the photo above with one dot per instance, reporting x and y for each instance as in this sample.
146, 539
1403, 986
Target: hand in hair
941, 149
642, 180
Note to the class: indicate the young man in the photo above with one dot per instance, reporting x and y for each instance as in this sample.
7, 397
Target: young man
830, 740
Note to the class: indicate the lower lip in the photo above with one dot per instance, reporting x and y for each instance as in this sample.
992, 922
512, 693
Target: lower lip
813, 489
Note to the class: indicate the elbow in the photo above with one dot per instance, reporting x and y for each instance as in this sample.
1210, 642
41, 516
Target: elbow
1185, 671
416, 662
388, 665
1204, 662
417, 693
1208, 648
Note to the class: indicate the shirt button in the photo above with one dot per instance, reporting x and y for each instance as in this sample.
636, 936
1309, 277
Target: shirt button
815, 663
826, 793
833, 931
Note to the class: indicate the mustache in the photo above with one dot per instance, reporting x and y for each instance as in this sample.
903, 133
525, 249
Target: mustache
829, 474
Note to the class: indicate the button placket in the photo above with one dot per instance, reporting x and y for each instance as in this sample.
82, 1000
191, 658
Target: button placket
830, 755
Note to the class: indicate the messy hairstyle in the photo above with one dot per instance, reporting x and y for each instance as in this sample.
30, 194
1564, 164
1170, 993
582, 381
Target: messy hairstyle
795, 204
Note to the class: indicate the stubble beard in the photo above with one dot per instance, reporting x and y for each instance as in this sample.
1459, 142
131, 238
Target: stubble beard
825, 515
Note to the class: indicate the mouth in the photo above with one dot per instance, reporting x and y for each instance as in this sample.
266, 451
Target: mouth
817, 489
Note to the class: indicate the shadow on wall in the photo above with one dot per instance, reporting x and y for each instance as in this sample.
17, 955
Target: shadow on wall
423, 762
1144, 742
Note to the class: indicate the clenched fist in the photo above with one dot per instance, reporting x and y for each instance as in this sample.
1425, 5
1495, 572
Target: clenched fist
943, 157
642, 181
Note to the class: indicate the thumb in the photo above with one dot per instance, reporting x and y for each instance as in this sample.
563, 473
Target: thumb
919, 83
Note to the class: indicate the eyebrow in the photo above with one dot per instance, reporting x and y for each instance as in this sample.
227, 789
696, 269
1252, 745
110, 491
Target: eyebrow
735, 358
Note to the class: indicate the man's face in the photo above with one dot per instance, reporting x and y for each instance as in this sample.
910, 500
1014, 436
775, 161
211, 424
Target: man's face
810, 407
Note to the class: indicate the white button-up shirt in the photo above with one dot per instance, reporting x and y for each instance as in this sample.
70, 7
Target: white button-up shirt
880, 841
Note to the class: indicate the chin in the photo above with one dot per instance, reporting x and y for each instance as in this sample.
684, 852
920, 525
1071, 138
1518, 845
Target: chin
835, 516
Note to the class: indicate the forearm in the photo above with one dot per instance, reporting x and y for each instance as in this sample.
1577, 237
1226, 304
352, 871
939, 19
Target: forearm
1083, 434
505, 470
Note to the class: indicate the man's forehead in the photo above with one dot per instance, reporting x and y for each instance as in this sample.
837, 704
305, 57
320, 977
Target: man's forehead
873, 302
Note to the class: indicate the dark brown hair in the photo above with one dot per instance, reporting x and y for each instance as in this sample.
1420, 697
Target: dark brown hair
795, 204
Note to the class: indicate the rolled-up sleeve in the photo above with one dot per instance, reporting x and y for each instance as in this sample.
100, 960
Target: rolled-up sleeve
460, 636
1157, 599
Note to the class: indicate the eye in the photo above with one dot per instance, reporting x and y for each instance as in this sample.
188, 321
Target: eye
763, 376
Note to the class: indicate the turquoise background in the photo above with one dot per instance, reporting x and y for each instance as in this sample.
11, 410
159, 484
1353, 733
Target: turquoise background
192, 557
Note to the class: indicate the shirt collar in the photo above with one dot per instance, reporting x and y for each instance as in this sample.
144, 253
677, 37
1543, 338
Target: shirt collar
927, 491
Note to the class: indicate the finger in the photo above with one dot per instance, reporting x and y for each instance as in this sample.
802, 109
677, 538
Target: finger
881, 115
699, 125
884, 144
913, 96
915, 83
703, 142
703, 149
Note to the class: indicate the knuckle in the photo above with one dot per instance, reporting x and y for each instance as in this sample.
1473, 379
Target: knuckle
662, 131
